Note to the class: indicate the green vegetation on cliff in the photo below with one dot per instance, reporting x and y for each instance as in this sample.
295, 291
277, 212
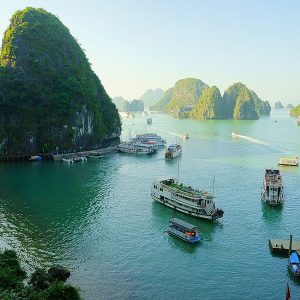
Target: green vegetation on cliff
185, 94
295, 112
209, 106
163, 102
49, 95
41, 286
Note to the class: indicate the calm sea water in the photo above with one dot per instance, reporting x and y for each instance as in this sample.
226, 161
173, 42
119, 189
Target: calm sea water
98, 219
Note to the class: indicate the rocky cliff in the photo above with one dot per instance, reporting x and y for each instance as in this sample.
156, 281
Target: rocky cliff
295, 112
49, 95
209, 106
185, 94
278, 105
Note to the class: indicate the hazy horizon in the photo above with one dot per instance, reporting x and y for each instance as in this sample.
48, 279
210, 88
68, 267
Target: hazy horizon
135, 45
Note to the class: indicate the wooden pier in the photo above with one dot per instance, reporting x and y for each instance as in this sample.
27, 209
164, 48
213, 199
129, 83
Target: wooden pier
279, 246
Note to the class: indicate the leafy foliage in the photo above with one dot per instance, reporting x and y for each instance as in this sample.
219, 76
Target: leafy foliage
163, 102
41, 285
209, 106
295, 112
186, 92
46, 78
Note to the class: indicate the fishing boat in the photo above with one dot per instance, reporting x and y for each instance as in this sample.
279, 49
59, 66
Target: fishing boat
150, 137
288, 161
183, 230
272, 192
185, 199
294, 263
137, 148
173, 151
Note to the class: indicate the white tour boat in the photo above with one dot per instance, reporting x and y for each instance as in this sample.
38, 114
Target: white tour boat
150, 137
288, 161
137, 148
272, 192
173, 151
185, 199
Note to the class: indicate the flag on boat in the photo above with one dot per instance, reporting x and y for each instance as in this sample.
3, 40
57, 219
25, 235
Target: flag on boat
288, 293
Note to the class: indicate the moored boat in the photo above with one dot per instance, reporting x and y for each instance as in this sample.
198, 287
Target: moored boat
68, 160
173, 151
150, 137
294, 263
288, 161
272, 192
137, 148
183, 230
185, 199
36, 158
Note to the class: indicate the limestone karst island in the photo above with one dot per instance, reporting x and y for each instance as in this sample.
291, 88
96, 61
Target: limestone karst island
149, 150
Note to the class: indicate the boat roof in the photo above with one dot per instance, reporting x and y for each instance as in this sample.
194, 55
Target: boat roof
182, 223
294, 258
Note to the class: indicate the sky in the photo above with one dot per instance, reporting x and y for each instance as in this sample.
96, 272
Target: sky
135, 45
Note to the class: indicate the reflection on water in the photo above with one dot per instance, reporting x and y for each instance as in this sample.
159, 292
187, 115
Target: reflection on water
271, 214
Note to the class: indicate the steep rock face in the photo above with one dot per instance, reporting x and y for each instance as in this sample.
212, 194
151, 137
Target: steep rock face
261, 107
49, 95
163, 102
290, 106
278, 105
239, 103
186, 93
151, 96
209, 106
295, 112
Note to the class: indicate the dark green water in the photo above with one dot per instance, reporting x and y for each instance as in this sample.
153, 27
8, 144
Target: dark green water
98, 219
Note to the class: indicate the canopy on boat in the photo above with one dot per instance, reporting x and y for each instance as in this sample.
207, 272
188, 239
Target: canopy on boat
182, 223
294, 258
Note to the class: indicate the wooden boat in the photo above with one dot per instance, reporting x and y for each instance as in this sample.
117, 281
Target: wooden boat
294, 263
173, 151
183, 230
272, 191
288, 161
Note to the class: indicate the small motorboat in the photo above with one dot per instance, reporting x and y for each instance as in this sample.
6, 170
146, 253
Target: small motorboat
185, 136
36, 158
68, 160
234, 133
183, 230
294, 263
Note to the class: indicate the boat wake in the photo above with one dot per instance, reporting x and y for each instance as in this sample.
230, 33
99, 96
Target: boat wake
248, 138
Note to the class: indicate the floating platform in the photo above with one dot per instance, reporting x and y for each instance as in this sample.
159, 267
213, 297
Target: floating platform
279, 246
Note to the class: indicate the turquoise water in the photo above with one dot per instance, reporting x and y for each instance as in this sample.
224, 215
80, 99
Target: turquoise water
98, 219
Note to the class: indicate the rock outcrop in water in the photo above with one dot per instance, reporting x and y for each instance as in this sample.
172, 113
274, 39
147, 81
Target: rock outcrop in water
209, 106
278, 105
185, 94
49, 95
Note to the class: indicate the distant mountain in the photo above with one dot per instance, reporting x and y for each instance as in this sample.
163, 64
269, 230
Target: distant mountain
163, 102
295, 112
136, 105
185, 94
121, 103
290, 106
150, 97
209, 106
278, 105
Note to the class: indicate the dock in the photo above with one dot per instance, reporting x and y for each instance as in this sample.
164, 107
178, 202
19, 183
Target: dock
280, 246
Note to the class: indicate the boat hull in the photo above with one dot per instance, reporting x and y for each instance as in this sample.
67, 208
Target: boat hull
174, 233
190, 213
